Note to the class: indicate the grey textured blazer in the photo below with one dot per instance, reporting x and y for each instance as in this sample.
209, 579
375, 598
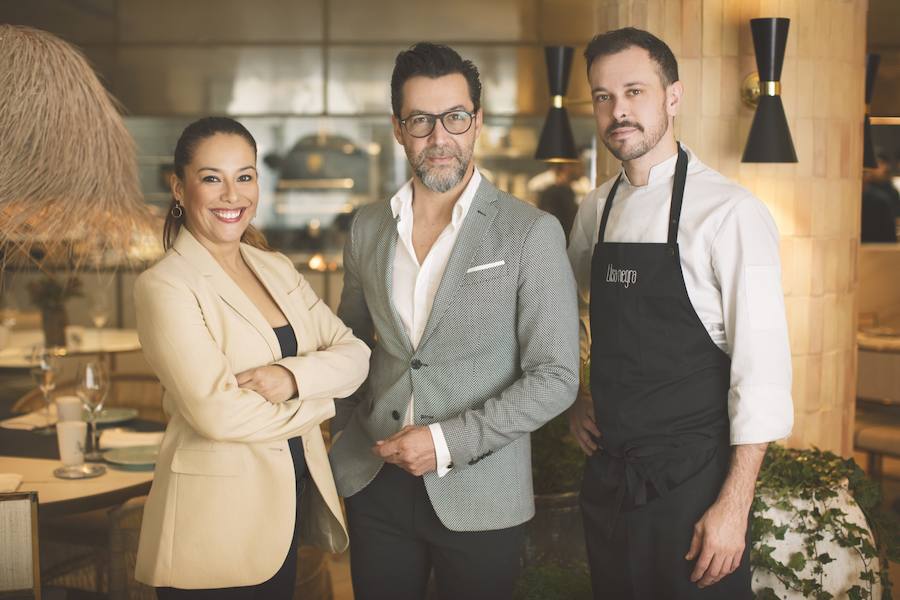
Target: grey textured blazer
498, 358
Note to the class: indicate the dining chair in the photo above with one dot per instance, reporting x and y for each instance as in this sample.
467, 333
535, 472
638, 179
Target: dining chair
127, 390
20, 571
124, 532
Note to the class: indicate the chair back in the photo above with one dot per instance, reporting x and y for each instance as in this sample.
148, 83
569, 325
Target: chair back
124, 532
20, 571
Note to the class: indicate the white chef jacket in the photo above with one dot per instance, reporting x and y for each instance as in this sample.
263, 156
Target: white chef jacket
414, 285
729, 248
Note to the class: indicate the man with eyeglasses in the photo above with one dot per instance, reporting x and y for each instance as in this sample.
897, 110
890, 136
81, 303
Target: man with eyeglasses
468, 300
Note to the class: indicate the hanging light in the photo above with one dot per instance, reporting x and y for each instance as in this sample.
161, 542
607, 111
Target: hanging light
557, 144
869, 159
770, 138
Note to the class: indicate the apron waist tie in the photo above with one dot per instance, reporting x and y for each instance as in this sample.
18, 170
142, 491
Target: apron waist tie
637, 466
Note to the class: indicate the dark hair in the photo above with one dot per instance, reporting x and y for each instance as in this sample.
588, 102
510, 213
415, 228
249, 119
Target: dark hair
613, 42
190, 138
432, 60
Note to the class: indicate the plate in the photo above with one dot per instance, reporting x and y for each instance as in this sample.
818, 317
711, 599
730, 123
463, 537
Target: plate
114, 415
133, 457
85, 471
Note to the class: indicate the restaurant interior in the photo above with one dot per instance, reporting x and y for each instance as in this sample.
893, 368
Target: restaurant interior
310, 80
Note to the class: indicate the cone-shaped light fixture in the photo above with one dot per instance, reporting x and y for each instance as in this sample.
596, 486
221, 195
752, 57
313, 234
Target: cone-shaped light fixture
557, 144
770, 138
869, 160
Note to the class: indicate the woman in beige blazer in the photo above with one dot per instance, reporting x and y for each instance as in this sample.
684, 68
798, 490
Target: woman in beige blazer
251, 361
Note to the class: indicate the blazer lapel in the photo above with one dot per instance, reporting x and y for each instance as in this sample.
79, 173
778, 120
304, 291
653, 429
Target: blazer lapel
385, 251
199, 257
479, 218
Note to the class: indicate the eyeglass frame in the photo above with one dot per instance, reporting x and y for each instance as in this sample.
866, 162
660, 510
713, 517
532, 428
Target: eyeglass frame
436, 118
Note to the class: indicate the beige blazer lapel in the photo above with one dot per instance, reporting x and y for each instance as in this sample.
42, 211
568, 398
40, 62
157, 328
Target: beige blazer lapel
295, 311
199, 257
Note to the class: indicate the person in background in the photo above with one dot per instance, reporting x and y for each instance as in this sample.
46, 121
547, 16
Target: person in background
559, 201
679, 276
251, 361
880, 204
468, 301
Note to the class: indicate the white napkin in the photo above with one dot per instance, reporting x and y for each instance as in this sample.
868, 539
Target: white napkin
31, 420
9, 482
119, 438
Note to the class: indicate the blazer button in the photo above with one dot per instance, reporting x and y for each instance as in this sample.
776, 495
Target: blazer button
396, 415
416, 363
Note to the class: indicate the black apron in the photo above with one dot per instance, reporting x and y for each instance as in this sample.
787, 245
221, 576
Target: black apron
660, 388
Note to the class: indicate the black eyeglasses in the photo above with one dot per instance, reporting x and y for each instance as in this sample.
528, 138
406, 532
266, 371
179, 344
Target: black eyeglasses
454, 121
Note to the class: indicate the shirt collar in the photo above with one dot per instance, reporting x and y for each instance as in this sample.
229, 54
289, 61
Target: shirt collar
661, 172
401, 203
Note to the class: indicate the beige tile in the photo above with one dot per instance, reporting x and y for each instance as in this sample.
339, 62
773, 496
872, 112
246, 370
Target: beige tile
93, 21
217, 21
239, 80
461, 21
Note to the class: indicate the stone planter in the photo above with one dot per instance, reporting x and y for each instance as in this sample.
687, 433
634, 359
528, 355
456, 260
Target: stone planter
840, 574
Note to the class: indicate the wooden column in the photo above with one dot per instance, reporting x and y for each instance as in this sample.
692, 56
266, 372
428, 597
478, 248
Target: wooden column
816, 202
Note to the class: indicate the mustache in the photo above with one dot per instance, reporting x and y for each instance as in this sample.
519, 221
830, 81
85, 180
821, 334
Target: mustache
622, 125
440, 152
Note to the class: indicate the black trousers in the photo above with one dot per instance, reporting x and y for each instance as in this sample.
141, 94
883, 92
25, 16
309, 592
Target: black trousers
642, 557
396, 539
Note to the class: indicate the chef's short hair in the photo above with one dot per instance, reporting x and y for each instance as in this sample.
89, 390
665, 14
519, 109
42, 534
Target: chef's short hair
432, 60
615, 41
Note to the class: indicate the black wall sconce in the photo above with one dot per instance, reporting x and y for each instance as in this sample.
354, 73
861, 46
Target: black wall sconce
557, 144
869, 160
770, 138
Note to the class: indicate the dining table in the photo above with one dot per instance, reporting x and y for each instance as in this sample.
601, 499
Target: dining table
35, 456
16, 352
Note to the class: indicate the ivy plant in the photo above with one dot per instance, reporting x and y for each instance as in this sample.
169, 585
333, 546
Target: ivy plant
815, 476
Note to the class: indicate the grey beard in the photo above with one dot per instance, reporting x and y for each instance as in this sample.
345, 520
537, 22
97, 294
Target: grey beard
437, 180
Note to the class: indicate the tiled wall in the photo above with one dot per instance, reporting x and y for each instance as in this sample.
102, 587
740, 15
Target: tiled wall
175, 57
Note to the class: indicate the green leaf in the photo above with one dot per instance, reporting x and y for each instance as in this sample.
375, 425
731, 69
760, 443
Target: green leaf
797, 562
767, 594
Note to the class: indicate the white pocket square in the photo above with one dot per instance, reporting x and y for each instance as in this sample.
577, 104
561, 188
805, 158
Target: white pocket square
499, 263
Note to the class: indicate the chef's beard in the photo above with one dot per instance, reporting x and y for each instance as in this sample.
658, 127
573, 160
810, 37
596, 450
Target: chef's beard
647, 143
440, 179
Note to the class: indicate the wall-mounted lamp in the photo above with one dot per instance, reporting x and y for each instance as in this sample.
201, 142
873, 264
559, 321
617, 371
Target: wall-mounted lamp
770, 138
557, 144
869, 160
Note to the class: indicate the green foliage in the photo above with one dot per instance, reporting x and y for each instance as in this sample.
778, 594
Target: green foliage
816, 476
554, 582
556, 458
48, 293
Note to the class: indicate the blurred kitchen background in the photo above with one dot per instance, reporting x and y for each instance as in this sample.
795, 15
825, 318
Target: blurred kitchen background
310, 79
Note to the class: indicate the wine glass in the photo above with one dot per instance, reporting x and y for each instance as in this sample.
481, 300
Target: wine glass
44, 375
93, 385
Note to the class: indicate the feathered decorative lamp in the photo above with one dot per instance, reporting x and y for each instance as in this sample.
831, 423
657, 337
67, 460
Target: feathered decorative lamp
69, 192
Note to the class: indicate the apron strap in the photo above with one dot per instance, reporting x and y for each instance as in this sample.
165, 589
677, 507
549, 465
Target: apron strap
677, 195
674, 207
607, 207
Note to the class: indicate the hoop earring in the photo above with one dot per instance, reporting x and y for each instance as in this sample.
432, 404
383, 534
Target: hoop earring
177, 211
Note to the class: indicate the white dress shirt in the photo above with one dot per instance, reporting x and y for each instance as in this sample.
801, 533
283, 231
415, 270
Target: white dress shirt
729, 249
414, 285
